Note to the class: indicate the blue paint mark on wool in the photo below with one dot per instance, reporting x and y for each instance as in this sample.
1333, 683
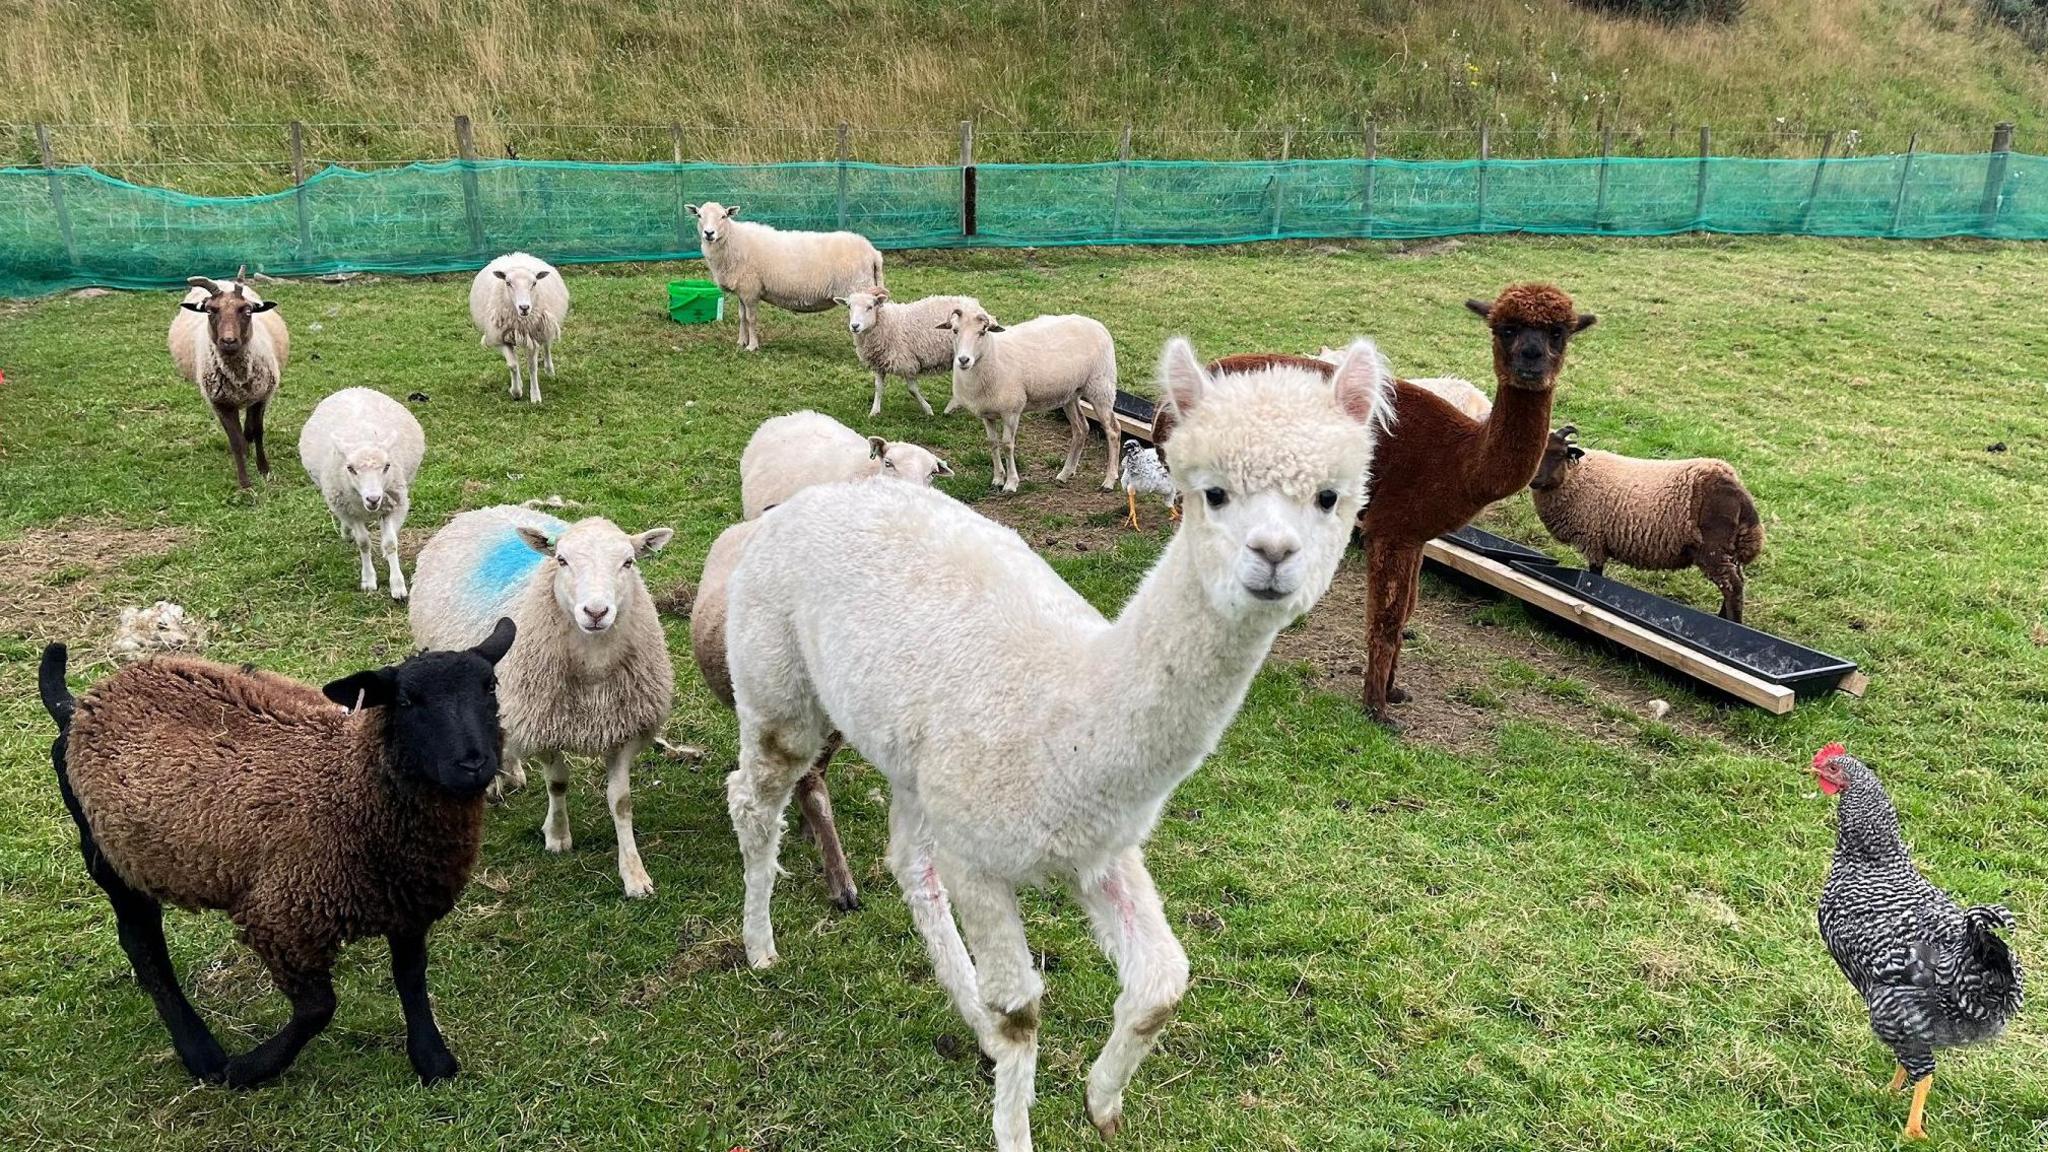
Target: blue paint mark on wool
508, 562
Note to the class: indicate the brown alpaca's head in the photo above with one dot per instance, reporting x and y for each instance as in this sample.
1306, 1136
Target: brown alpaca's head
1559, 455
1531, 325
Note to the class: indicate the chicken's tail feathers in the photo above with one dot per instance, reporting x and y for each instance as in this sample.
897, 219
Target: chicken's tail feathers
1982, 924
1985, 917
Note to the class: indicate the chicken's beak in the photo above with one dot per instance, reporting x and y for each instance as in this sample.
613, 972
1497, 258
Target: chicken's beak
1830, 778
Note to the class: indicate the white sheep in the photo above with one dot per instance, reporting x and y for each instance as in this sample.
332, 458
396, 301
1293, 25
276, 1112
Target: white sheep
1000, 373
591, 674
904, 340
795, 271
232, 344
793, 452
1024, 737
1456, 391
363, 449
519, 301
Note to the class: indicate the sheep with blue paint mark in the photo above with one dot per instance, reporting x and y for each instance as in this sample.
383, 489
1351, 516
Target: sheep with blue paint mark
591, 673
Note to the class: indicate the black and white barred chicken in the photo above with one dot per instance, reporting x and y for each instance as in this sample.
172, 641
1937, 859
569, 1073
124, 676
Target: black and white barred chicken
1934, 974
1144, 471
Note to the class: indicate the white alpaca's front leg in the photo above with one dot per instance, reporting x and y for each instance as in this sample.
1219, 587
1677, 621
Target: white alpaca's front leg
1130, 924
917, 877
390, 543
555, 831
618, 794
1010, 989
755, 794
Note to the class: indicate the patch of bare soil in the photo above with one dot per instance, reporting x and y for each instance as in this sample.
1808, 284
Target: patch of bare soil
53, 586
1457, 701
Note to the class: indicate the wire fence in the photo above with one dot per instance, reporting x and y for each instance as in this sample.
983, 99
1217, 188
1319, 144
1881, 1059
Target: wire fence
65, 225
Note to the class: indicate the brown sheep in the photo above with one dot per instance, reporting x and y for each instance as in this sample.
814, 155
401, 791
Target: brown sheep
232, 344
308, 824
707, 644
1437, 468
1652, 514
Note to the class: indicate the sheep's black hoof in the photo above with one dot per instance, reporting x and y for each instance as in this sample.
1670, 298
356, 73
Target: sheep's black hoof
244, 1073
848, 901
1397, 695
436, 1065
207, 1067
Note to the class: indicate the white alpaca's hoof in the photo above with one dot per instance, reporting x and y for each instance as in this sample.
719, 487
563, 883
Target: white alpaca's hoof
1108, 1119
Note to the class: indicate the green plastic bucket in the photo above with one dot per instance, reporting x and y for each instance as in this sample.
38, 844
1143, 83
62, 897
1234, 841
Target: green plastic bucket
695, 302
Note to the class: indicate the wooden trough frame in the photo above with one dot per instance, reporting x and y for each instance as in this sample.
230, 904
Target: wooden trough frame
1134, 418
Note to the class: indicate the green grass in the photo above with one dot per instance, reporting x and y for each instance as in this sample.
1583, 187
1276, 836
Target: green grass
1583, 932
196, 93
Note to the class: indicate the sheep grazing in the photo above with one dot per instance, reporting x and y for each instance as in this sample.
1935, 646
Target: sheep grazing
311, 825
591, 676
233, 345
1653, 514
1001, 372
362, 449
1024, 736
793, 452
902, 339
707, 645
161, 627
795, 271
1460, 393
519, 301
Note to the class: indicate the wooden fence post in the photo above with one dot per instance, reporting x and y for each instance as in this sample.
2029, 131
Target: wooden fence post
1899, 193
1994, 175
1820, 170
686, 231
1485, 154
299, 189
967, 179
1123, 171
1600, 199
1372, 163
57, 194
1699, 197
1280, 177
845, 147
472, 199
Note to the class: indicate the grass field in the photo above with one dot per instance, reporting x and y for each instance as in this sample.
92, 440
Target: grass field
195, 93
1533, 919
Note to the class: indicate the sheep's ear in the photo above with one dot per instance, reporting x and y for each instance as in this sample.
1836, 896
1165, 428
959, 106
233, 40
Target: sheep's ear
263, 306
535, 539
652, 540
499, 641
876, 447
879, 293
374, 689
1365, 385
1575, 452
192, 306
542, 274
995, 327
692, 208
1586, 320
944, 469
950, 324
1181, 378
839, 301
732, 211
1483, 307
498, 272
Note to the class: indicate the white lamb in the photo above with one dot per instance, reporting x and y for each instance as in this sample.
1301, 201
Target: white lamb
591, 673
1456, 391
1025, 737
795, 271
793, 452
903, 340
519, 301
362, 449
1000, 373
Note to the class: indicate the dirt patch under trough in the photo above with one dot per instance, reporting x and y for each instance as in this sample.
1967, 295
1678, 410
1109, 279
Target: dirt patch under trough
1451, 667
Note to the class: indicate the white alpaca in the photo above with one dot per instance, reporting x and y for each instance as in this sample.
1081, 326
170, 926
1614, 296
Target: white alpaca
1024, 736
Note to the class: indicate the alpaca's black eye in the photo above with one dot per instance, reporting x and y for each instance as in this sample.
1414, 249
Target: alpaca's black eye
1216, 497
1326, 499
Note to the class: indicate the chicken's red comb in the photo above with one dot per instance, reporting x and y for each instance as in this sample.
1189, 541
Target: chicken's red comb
1828, 753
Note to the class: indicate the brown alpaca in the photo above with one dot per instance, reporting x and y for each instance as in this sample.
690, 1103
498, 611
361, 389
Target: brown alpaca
1438, 468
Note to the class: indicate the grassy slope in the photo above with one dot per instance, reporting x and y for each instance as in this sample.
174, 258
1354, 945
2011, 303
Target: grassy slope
785, 72
1553, 941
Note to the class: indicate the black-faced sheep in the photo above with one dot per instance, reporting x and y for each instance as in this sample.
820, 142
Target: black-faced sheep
1652, 514
309, 824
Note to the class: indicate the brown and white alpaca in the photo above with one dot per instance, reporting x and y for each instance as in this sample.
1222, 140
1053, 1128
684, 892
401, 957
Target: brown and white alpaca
1438, 468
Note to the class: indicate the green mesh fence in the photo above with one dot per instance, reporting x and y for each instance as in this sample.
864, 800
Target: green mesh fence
71, 227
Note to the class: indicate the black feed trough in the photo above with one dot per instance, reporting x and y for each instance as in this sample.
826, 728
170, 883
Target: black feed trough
1803, 670
1136, 407
1495, 547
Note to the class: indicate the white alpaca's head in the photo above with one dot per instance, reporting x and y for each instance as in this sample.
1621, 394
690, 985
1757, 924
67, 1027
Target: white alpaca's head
1271, 464
596, 569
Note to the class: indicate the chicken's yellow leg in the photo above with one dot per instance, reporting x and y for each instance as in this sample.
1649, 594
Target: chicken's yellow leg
1915, 1129
1131, 498
1174, 510
1899, 1078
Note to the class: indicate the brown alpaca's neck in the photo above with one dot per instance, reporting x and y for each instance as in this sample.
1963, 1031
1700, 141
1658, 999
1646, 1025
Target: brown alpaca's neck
1510, 442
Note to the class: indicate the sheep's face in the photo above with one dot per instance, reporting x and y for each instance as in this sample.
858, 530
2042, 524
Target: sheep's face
902, 461
518, 285
1271, 467
368, 468
596, 565
229, 313
1559, 454
442, 710
864, 309
968, 327
1531, 325
714, 220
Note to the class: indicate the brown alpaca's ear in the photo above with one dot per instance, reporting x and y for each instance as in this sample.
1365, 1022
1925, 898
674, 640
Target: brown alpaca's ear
1586, 320
1484, 308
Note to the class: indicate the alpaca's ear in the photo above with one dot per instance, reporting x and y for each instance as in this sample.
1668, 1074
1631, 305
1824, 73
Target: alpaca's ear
1365, 385
1181, 379
1483, 307
1586, 320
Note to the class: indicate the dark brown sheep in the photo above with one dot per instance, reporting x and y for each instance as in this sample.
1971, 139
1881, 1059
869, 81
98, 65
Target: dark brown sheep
309, 825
